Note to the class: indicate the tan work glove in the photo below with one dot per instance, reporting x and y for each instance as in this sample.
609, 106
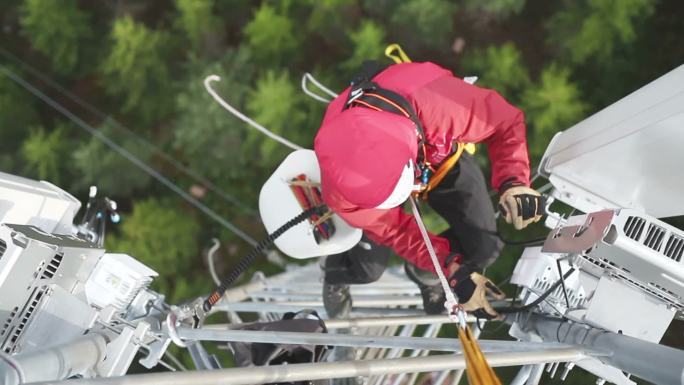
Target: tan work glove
472, 288
521, 206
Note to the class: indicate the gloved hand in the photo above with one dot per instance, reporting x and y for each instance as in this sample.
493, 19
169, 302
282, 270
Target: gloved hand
521, 206
471, 289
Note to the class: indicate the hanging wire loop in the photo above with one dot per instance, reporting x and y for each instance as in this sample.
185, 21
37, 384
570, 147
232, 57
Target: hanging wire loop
215, 78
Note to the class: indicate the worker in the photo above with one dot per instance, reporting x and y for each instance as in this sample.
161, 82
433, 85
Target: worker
378, 141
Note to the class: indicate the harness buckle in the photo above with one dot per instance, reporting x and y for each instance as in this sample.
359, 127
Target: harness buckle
353, 95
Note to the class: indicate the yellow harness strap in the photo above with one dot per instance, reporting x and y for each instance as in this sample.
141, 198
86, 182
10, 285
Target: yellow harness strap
443, 169
470, 148
477, 369
399, 57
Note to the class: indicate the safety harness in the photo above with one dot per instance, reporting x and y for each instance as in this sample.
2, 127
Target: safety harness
478, 370
366, 93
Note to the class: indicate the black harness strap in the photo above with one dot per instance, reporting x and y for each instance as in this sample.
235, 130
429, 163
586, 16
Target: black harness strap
366, 93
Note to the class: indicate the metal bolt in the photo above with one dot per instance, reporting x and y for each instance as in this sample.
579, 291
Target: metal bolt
566, 370
555, 368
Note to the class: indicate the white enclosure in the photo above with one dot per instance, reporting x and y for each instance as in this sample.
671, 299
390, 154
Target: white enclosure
630, 154
41, 204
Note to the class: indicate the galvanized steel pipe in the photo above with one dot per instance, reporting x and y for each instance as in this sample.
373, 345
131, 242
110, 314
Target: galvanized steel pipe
320, 371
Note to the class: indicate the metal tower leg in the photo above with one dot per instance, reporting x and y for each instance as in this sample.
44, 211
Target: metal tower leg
63, 361
319, 371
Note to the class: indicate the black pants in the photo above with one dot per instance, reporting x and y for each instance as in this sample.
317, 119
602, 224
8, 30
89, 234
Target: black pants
462, 200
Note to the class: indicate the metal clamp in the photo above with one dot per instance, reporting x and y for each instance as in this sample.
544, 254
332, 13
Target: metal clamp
192, 313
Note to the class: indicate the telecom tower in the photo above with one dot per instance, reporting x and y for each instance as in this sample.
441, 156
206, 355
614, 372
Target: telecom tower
599, 294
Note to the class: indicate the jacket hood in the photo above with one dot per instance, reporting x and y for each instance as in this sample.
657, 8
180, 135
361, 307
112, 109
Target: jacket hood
362, 154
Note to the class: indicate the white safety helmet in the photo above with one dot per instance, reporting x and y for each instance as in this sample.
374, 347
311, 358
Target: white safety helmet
403, 188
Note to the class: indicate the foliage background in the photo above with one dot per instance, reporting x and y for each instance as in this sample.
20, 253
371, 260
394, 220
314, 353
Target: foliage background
142, 63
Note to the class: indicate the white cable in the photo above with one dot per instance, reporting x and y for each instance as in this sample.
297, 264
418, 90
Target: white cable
97, 134
12, 363
321, 86
115, 124
243, 117
210, 258
451, 303
308, 77
311, 94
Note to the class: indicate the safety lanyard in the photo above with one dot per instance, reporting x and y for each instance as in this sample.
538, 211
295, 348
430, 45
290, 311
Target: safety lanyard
477, 369
455, 312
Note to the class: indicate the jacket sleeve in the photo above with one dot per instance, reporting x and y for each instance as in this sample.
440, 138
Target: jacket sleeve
456, 110
399, 231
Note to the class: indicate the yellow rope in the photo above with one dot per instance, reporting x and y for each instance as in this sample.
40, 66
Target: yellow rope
477, 369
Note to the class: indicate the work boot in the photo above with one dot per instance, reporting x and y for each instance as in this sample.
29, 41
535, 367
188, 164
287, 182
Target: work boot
336, 297
336, 300
430, 288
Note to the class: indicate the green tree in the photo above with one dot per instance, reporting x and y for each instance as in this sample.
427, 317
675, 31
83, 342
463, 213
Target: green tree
501, 68
161, 235
57, 29
424, 23
596, 28
275, 103
552, 105
204, 132
271, 36
196, 18
500, 8
45, 153
113, 174
328, 20
136, 69
368, 42
17, 114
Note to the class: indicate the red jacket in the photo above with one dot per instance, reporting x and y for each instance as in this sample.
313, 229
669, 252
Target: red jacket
360, 151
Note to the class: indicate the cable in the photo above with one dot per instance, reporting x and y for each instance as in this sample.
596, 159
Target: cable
542, 297
565, 293
12, 363
210, 261
243, 117
312, 94
129, 156
308, 77
527, 242
153, 148
321, 86
246, 261
509, 242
